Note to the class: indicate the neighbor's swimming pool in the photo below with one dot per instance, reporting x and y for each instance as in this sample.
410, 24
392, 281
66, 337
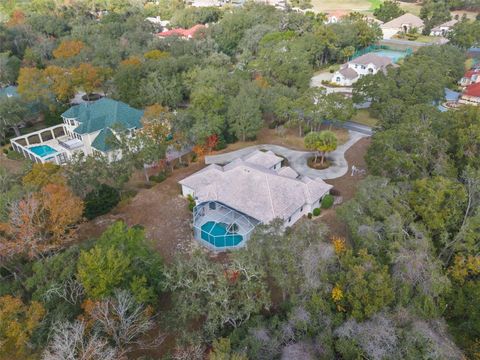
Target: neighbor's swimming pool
218, 235
392, 54
42, 150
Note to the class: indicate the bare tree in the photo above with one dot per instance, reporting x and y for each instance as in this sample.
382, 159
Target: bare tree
123, 320
377, 336
71, 341
70, 290
189, 352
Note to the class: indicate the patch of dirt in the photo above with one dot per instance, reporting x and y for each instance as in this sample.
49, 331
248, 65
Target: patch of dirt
347, 185
12, 166
317, 164
161, 210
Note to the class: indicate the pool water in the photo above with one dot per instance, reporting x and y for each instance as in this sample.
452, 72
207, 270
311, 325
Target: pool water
218, 235
42, 150
392, 54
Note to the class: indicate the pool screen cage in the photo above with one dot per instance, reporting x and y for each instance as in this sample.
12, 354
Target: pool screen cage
220, 227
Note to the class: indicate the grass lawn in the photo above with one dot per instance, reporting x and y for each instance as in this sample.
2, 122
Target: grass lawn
359, 5
411, 8
363, 117
347, 5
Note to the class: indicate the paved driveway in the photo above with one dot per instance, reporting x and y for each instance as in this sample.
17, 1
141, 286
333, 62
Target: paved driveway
316, 81
297, 160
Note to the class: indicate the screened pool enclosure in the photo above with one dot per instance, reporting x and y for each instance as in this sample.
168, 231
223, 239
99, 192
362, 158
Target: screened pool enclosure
221, 227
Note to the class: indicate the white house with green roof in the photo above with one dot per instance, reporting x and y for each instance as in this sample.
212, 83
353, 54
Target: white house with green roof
88, 128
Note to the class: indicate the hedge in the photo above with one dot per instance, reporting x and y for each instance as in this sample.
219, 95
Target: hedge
100, 201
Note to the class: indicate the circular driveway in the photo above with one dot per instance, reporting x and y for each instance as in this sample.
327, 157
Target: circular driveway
297, 160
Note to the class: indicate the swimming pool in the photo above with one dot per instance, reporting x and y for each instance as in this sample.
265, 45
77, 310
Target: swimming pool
218, 235
392, 54
42, 150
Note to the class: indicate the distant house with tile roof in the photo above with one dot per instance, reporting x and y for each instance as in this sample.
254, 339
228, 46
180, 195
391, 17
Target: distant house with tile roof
443, 29
89, 128
470, 77
367, 64
182, 33
402, 24
334, 17
471, 95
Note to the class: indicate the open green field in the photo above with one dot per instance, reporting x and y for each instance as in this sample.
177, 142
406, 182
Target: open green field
363, 117
357, 5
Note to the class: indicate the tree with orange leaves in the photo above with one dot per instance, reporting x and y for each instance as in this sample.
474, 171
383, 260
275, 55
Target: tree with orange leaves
60, 81
63, 209
33, 85
68, 49
17, 18
18, 321
41, 222
43, 174
89, 77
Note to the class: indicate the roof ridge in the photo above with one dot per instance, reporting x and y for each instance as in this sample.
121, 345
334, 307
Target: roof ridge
270, 195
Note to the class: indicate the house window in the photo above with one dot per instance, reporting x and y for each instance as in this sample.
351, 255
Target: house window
301, 209
363, 67
338, 79
370, 71
289, 219
212, 206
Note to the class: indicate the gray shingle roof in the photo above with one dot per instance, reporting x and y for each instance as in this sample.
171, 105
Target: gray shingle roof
372, 58
266, 159
349, 73
408, 19
258, 192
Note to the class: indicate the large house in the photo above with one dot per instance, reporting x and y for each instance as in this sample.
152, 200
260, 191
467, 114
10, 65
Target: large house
90, 128
232, 199
402, 24
367, 64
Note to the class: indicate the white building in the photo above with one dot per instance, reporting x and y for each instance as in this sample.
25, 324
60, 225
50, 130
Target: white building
89, 128
443, 29
247, 191
367, 64
402, 24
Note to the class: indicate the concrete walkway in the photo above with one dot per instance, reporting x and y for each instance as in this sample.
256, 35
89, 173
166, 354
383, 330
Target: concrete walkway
297, 160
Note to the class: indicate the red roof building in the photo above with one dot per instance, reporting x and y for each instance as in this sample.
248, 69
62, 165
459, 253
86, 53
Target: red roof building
183, 33
471, 95
470, 77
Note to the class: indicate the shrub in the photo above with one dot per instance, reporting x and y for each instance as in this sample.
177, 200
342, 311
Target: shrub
194, 158
13, 155
5, 151
327, 201
191, 202
161, 176
316, 212
309, 215
100, 201
221, 144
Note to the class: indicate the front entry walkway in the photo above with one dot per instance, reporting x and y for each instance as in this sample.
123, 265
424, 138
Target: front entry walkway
297, 160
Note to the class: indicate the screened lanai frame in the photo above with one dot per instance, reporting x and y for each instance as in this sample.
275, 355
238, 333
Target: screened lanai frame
213, 216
